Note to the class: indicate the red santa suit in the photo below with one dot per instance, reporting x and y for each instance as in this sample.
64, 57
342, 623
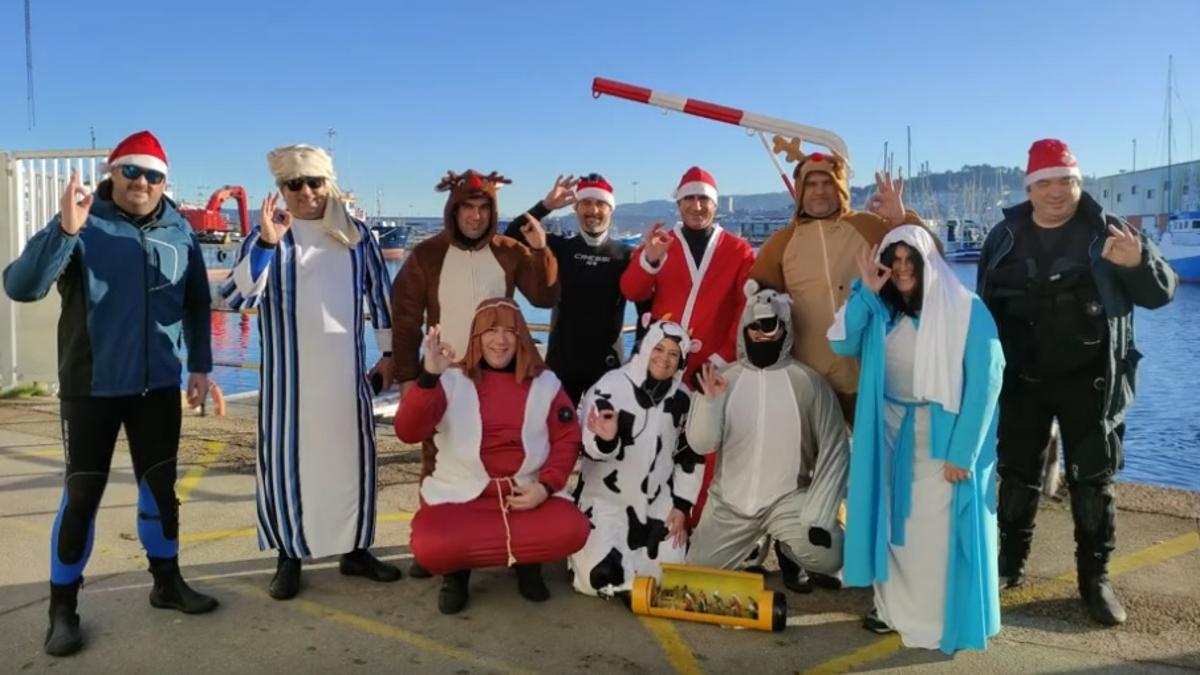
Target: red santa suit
706, 297
493, 429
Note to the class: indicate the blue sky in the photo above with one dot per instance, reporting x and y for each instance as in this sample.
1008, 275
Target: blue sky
414, 89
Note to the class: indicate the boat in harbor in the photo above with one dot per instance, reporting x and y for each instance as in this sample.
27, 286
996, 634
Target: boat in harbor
1180, 245
962, 239
756, 229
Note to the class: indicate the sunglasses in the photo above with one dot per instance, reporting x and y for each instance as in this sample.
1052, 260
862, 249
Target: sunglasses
297, 184
132, 172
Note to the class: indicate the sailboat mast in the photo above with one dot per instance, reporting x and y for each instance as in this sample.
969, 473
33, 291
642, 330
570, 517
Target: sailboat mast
1170, 186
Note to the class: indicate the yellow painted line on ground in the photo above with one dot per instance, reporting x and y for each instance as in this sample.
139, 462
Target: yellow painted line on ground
27, 527
1160, 552
389, 631
398, 517
48, 451
214, 535
678, 652
194, 537
183, 489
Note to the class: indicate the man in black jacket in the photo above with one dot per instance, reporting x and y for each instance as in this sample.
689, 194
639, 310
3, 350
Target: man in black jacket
1061, 277
586, 326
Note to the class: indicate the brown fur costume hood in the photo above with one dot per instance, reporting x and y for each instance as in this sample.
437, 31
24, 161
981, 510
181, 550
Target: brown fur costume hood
465, 186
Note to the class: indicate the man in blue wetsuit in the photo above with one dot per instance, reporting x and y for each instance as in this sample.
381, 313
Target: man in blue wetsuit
133, 286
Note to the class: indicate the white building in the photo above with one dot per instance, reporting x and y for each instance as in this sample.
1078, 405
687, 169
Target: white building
1141, 196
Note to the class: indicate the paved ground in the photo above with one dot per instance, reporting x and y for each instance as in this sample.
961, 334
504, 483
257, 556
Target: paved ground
350, 625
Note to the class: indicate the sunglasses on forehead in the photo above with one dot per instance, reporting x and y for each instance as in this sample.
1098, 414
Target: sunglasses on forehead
132, 172
297, 184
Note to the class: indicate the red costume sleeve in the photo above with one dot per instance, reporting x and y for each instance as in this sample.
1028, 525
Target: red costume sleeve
566, 439
420, 411
637, 283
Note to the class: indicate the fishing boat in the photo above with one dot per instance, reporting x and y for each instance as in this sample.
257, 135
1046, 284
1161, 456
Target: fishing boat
1180, 245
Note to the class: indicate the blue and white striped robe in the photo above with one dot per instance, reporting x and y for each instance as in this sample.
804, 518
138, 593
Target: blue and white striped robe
316, 440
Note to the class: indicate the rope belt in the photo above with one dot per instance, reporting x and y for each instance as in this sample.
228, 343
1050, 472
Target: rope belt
512, 559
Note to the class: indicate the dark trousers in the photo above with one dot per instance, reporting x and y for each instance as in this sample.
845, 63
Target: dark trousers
1093, 457
89, 429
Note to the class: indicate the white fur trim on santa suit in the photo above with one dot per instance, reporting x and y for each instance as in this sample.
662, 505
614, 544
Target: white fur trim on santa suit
696, 187
460, 475
149, 162
650, 267
597, 194
1052, 172
697, 272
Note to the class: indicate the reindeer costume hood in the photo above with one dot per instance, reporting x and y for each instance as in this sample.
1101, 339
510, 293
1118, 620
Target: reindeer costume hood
465, 186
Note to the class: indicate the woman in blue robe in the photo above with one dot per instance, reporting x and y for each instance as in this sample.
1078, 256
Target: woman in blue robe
921, 507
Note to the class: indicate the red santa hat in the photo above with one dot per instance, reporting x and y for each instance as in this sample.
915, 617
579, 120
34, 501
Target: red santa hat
594, 186
1050, 158
696, 181
141, 149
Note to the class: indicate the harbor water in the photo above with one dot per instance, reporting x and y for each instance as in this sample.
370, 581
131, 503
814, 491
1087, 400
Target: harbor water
1162, 439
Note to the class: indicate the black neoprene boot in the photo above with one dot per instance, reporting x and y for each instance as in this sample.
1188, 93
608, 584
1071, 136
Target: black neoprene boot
172, 592
453, 597
63, 637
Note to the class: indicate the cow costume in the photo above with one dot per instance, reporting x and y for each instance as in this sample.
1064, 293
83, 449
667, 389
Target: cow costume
629, 485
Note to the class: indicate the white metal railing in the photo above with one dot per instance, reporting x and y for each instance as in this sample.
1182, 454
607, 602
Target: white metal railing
31, 184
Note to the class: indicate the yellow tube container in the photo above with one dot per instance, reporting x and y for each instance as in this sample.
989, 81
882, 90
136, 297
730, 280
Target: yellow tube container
710, 595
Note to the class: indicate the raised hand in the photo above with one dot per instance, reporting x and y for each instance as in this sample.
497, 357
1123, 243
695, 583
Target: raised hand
438, 354
535, 234
1122, 247
603, 424
273, 222
711, 383
888, 202
562, 194
873, 274
74, 205
658, 240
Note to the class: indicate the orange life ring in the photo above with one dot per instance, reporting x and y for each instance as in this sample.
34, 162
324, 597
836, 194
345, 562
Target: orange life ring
218, 399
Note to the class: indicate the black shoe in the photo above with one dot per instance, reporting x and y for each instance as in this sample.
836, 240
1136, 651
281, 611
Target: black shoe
827, 581
415, 571
1101, 601
872, 623
63, 637
172, 592
360, 563
285, 585
531, 584
794, 576
452, 599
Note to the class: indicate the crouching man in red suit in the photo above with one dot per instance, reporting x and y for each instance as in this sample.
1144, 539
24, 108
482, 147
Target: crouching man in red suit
507, 439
